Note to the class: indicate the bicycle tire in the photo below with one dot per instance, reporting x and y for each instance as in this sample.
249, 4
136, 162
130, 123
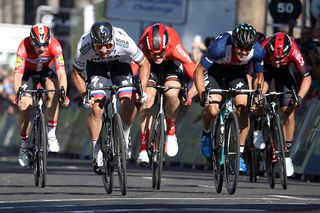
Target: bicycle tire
120, 151
278, 140
157, 160
231, 152
252, 156
43, 152
34, 138
217, 168
106, 148
269, 161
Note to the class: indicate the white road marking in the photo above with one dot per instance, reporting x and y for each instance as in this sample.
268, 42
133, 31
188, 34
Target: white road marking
295, 198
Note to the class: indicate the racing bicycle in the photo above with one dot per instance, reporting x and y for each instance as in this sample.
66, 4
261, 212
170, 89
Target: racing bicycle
226, 140
39, 132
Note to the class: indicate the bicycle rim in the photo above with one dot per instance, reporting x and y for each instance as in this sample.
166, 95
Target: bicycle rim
217, 168
278, 139
120, 145
252, 164
106, 148
232, 153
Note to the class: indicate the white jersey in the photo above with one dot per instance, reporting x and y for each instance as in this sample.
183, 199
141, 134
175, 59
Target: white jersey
125, 50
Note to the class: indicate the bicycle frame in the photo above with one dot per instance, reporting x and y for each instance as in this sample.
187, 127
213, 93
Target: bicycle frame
226, 150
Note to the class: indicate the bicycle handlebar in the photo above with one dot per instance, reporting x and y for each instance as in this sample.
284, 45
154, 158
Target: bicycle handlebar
41, 91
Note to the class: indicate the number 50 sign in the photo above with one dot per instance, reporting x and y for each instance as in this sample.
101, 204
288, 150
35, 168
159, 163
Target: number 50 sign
282, 11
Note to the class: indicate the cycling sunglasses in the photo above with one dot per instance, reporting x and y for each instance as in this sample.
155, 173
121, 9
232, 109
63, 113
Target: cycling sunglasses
40, 44
242, 51
158, 55
108, 46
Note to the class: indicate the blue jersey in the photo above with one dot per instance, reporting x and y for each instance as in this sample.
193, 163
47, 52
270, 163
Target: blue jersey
220, 52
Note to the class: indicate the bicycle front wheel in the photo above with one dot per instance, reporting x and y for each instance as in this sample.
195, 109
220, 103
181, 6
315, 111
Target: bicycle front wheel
120, 151
158, 150
278, 140
231, 152
217, 163
269, 158
106, 148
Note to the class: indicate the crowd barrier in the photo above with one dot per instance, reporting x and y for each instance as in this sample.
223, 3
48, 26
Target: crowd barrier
73, 136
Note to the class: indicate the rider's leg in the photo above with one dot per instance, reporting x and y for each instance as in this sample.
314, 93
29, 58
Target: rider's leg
243, 117
52, 112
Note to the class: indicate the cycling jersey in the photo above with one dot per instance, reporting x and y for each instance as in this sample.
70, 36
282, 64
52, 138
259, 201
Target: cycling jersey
220, 52
174, 50
27, 59
124, 50
294, 56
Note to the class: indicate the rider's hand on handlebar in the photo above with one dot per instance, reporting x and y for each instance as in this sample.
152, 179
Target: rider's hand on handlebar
143, 98
203, 100
187, 102
87, 103
296, 102
66, 102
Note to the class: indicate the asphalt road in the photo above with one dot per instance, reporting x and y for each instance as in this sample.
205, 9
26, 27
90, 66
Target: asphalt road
73, 187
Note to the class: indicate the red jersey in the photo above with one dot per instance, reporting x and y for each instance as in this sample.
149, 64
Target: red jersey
294, 56
27, 59
174, 51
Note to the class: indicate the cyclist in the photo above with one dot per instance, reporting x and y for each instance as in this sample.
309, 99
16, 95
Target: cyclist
162, 46
105, 52
281, 52
228, 58
35, 55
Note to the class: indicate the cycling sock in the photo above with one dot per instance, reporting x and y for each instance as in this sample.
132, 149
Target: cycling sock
241, 149
288, 147
171, 126
207, 131
95, 148
52, 126
126, 131
144, 139
24, 142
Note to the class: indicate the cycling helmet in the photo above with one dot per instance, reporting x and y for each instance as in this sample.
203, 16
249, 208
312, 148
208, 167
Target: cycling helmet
279, 45
157, 38
40, 35
244, 36
101, 32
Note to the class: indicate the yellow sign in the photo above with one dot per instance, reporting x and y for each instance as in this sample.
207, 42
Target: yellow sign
60, 59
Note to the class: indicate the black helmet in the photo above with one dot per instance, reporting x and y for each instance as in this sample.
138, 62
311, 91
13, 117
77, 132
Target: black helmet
244, 36
101, 32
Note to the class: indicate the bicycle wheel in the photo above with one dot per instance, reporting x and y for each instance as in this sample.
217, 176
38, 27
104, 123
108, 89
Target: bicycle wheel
231, 152
158, 150
120, 151
43, 154
34, 138
106, 148
217, 164
41, 143
269, 160
278, 140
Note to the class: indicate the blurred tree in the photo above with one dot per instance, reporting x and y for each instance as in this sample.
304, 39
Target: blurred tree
31, 6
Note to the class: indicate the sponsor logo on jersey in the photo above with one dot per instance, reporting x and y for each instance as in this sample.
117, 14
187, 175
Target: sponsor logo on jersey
60, 60
183, 53
19, 62
122, 43
85, 48
299, 57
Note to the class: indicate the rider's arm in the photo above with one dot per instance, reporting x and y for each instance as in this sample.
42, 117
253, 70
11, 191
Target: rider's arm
199, 79
297, 58
18, 73
144, 73
58, 60
78, 81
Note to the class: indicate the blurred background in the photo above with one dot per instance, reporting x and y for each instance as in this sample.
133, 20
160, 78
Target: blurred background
197, 22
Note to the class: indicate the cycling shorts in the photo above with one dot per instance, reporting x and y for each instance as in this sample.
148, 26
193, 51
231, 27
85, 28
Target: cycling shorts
166, 71
31, 79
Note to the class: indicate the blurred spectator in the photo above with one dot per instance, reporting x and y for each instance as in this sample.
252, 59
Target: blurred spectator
7, 96
198, 48
309, 50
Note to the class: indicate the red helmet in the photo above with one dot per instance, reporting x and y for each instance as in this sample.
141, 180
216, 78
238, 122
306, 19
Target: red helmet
40, 35
279, 45
157, 38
